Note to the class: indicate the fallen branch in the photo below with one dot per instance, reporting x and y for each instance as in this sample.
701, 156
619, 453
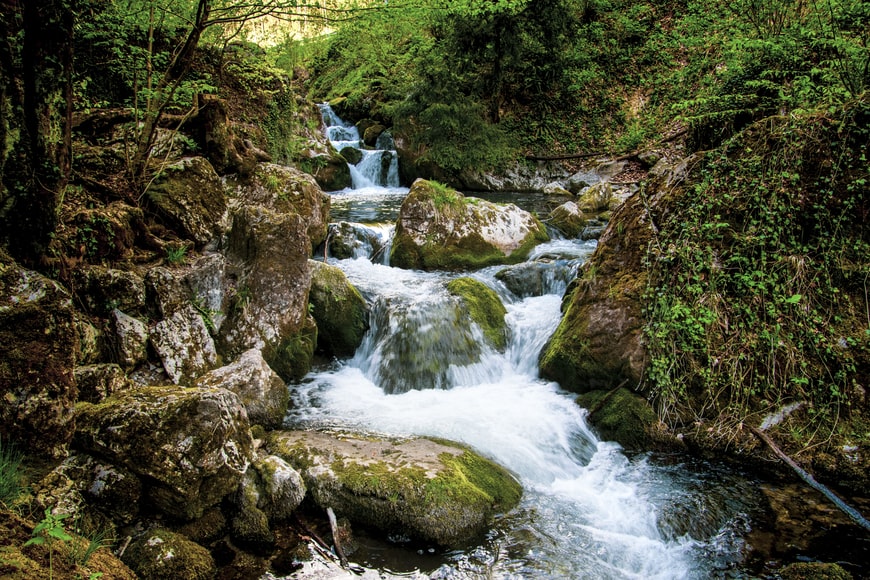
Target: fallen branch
843, 506
333, 523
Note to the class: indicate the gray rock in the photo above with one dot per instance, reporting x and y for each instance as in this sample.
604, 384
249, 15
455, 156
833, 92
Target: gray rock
184, 345
262, 392
433, 491
38, 339
159, 554
130, 340
197, 449
97, 381
568, 219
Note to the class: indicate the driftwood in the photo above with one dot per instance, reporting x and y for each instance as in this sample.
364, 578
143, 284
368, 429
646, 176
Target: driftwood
333, 523
843, 506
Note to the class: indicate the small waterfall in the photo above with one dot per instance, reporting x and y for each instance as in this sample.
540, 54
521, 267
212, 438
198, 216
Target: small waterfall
377, 167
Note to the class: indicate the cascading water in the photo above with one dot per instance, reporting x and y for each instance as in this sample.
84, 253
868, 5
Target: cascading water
589, 510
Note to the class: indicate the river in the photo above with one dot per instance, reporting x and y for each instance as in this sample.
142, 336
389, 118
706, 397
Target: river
589, 510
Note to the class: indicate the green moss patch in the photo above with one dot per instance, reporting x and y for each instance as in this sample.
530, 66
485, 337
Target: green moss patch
484, 307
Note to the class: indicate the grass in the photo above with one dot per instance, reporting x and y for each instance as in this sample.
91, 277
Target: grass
11, 487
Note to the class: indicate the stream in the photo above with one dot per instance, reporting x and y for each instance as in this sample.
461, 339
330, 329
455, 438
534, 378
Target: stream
589, 509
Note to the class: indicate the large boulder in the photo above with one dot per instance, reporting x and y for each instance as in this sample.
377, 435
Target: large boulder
439, 228
197, 448
184, 345
38, 348
285, 189
191, 199
339, 309
158, 554
484, 307
268, 254
433, 491
262, 392
568, 219
102, 289
625, 417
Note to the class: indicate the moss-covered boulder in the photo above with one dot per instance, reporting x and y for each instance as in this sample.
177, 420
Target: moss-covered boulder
814, 571
595, 198
191, 199
184, 345
625, 417
197, 448
568, 219
102, 233
484, 307
598, 342
371, 134
285, 189
339, 309
159, 554
268, 305
100, 290
439, 228
437, 492
351, 154
38, 348
261, 390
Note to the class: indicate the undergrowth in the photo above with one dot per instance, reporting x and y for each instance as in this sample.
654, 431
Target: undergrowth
759, 276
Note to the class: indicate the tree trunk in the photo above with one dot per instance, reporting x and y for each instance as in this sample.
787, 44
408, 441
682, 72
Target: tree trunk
38, 90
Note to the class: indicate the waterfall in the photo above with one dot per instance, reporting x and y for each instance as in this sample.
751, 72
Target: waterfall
377, 167
589, 510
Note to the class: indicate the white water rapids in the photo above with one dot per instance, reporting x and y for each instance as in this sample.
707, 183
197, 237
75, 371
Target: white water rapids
589, 510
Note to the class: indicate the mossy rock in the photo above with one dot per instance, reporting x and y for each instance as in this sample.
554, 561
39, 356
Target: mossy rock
814, 571
292, 357
160, 554
441, 229
351, 154
623, 416
568, 219
339, 309
434, 491
484, 307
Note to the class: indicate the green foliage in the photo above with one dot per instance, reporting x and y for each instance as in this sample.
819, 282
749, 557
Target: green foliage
47, 532
11, 487
757, 290
176, 253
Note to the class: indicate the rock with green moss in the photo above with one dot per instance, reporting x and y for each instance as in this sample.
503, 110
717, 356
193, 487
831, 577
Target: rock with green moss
184, 345
814, 571
595, 198
440, 229
351, 154
435, 491
38, 339
625, 417
100, 290
568, 219
484, 307
191, 199
339, 309
159, 554
285, 189
197, 448
261, 390
268, 305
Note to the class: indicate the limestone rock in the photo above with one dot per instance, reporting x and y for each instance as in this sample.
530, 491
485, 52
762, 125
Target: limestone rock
339, 309
262, 392
102, 290
281, 487
103, 233
159, 554
437, 492
99, 381
350, 240
191, 199
568, 219
197, 448
202, 283
286, 190
595, 198
130, 339
598, 342
526, 279
184, 345
38, 340
484, 307
439, 228
269, 252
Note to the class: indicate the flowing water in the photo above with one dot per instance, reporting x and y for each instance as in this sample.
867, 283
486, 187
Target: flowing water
589, 510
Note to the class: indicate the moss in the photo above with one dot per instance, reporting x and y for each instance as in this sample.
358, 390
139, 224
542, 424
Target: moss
471, 475
291, 358
622, 416
163, 554
339, 310
814, 571
484, 307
